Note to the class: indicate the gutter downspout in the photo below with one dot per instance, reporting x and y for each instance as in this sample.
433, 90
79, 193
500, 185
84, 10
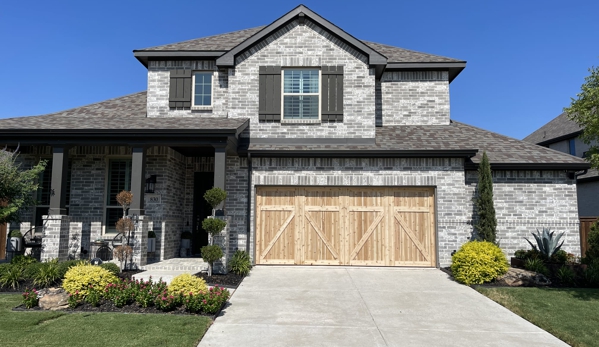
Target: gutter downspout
584, 172
249, 204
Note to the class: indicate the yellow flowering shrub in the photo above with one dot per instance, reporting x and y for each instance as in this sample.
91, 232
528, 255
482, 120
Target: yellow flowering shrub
80, 277
478, 262
186, 284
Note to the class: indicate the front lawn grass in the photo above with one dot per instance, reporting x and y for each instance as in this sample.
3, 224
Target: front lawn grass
571, 314
47, 328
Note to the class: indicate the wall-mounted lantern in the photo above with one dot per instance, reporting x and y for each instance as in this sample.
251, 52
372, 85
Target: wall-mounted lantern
150, 184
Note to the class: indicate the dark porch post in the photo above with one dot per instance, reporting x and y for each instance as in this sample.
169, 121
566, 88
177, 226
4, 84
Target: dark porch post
60, 166
138, 180
220, 168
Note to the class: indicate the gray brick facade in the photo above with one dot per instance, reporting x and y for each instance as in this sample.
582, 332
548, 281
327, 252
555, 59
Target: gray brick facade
411, 98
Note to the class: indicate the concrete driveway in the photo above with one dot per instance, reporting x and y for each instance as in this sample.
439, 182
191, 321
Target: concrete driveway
338, 306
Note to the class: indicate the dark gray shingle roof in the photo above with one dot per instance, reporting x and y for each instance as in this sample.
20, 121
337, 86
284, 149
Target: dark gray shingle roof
558, 127
402, 55
124, 113
226, 42
222, 42
456, 136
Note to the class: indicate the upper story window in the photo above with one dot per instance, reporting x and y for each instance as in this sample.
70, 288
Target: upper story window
572, 146
202, 89
301, 94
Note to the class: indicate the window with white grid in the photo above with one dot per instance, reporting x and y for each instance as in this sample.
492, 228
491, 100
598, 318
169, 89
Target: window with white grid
301, 94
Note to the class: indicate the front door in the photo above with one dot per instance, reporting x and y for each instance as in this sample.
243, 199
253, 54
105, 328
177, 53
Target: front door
202, 181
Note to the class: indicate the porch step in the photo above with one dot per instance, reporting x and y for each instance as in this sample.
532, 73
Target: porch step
188, 265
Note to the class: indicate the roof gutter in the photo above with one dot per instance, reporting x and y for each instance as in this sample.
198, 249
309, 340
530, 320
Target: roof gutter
454, 68
532, 166
145, 56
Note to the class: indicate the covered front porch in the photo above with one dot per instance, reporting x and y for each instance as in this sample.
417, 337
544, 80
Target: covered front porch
166, 171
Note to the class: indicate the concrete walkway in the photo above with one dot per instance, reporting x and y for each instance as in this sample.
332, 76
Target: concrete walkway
336, 306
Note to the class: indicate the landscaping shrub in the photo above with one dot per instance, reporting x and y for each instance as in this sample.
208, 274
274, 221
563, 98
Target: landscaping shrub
486, 223
240, 263
591, 274
536, 265
167, 302
12, 276
186, 284
214, 299
566, 276
215, 196
23, 260
94, 296
592, 252
4, 268
30, 298
30, 271
560, 257
147, 291
64, 266
112, 267
520, 254
547, 242
477, 262
80, 277
47, 274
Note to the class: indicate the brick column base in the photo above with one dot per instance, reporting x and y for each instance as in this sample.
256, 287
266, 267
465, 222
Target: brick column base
55, 243
140, 243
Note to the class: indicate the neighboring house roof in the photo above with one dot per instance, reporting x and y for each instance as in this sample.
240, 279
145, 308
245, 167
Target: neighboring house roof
123, 113
503, 151
559, 128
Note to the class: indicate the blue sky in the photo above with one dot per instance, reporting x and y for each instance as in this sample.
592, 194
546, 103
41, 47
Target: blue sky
525, 58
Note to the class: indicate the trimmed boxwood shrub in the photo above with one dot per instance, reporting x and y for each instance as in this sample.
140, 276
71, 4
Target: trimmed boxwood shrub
478, 262
112, 267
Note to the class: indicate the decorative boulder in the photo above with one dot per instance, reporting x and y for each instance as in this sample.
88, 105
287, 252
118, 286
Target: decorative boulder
53, 299
523, 278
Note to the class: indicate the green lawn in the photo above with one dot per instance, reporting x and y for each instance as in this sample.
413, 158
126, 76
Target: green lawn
96, 329
571, 314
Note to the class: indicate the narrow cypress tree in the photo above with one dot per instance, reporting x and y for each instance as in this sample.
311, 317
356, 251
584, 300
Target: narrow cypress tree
486, 224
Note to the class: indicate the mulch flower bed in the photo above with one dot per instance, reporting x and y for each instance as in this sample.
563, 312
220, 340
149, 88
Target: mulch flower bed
28, 283
229, 280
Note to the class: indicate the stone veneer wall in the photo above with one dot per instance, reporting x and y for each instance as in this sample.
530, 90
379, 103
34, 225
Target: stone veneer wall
529, 200
415, 97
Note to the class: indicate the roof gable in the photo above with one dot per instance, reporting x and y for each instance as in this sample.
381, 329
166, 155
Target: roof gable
374, 57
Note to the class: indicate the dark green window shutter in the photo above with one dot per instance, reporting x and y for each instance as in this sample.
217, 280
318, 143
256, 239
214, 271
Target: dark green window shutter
180, 89
332, 93
270, 93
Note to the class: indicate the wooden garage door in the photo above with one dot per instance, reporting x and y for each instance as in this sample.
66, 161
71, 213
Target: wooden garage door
345, 226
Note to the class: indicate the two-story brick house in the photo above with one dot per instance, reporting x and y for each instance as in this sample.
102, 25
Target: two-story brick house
333, 150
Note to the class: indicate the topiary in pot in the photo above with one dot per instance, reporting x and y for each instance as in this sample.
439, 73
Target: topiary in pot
477, 262
213, 226
210, 254
215, 197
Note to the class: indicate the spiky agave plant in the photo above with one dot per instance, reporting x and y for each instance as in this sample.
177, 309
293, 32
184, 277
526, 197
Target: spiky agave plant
547, 242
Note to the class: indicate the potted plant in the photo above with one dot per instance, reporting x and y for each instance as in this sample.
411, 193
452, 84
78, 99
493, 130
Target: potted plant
185, 243
16, 241
151, 241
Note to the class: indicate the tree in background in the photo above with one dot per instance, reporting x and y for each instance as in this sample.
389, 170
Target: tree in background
16, 186
584, 110
486, 224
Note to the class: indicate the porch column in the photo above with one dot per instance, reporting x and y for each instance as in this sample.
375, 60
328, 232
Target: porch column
55, 243
138, 188
58, 185
220, 169
138, 180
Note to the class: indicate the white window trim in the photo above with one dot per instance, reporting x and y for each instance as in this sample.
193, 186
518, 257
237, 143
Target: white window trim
193, 90
295, 120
